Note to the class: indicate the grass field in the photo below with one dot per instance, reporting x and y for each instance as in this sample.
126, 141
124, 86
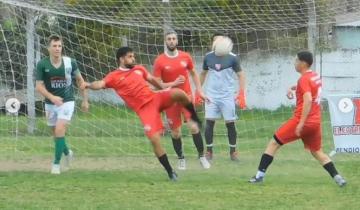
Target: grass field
115, 169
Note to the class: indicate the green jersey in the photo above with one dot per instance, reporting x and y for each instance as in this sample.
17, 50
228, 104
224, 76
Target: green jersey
58, 81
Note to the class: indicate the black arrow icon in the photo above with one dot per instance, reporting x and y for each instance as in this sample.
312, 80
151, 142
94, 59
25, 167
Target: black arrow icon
13, 105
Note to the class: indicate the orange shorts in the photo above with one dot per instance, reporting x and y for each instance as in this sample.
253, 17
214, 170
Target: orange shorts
150, 113
174, 113
310, 135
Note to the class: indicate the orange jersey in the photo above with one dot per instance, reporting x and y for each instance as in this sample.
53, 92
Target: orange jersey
131, 86
169, 68
309, 82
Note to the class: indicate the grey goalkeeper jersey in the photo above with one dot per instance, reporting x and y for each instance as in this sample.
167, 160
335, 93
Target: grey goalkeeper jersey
221, 74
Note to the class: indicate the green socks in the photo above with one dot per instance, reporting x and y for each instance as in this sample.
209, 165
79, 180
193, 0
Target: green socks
60, 147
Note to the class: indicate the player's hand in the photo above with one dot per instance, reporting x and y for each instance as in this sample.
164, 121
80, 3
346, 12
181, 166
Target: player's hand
299, 129
84, 85
199, 98
179, 80
290, 94
58, 101
241, 99
85, 106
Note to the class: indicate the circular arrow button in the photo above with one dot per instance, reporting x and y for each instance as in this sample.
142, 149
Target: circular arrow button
345, 105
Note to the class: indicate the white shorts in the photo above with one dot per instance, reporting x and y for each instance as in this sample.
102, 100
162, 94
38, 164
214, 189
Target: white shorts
55, 113
224, 107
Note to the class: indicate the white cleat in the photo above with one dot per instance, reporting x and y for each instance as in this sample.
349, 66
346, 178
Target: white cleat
68, 158
204, 163
55, 169
182, 164
340, 180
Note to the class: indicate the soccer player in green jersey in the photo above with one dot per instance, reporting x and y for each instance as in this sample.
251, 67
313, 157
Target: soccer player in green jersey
54, 80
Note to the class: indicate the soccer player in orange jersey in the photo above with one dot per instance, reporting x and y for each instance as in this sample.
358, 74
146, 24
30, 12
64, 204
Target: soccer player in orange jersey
170, 67
130, 83
305, 123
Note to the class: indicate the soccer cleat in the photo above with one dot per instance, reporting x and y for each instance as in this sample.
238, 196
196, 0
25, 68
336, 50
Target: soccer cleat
340, 180
204, 162
68, 158
182, 164
209, 155
173, 176
234, 157
55, 169
256, 180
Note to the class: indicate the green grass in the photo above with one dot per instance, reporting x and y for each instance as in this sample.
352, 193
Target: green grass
115, 169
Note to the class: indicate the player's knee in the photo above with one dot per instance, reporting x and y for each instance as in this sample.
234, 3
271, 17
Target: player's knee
194, 128
176, 133
179, 96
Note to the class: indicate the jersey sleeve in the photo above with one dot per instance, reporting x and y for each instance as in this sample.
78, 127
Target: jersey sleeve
157, 68
236, 64
39, 71
304, 85
75, 70
205, 63
108, 79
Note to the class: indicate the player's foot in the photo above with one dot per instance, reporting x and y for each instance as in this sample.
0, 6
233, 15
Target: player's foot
173, 176
256, 180
209, 155
204, 162
182, 164
55, 169
340, 180
234, 156
68, 158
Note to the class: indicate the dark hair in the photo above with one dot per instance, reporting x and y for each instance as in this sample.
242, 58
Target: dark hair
122, 51
54, 37
306, 57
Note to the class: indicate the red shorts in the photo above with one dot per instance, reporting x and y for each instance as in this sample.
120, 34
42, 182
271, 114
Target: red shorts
150, 113
174, 113
310, 135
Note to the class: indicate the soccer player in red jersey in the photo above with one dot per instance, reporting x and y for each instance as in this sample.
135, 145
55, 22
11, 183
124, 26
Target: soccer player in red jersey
169, 67
130, 83
305, 123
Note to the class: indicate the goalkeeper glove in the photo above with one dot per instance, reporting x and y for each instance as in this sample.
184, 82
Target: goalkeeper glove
241, 99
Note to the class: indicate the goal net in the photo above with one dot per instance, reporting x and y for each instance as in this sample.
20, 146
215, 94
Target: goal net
266, 34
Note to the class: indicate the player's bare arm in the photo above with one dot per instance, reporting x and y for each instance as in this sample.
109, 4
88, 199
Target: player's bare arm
83, 92
203, 77
40, 87
305, 112
179, 80
198, 84
96, 85
155, 82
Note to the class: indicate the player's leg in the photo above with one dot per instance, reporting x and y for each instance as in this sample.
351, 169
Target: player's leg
212, 112
198, 142
228, 111
150, 117
173, 116
161, 154
179, 96
285, 134
64, 115
312, 141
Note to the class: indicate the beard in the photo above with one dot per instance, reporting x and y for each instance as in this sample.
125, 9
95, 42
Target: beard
171, 49
130, 66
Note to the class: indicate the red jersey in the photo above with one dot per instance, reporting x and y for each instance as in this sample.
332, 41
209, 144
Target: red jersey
169, 68
131, 86
309, 82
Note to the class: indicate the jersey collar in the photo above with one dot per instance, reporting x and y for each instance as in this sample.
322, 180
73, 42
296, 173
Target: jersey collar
172, 56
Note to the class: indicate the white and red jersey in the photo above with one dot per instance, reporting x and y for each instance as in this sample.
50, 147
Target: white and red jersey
169, 68
131, 85
309, 82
